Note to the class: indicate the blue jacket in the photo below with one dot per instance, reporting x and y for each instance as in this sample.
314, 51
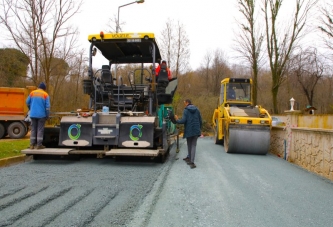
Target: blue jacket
39, 104
192, 121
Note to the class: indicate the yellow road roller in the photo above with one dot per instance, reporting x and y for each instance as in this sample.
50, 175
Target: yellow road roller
239, 125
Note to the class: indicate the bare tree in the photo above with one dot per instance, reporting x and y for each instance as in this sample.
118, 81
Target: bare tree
220, 70
175, 47
205, 70
326, 26
78, 69
280, 45
113, 24
165, 41
182, 50
250, 40
59, 70
41, 30
308, 67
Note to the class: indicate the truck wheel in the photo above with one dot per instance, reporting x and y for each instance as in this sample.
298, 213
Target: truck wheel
217, 141
2, 131
16, 130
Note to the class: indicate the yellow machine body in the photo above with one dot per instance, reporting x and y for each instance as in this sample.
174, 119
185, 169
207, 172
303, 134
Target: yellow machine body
239, 125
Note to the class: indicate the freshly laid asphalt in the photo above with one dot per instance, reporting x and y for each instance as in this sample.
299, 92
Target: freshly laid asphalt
237, 190
224, 190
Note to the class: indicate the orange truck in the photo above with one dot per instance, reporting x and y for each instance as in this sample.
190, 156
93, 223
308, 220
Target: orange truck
14, 111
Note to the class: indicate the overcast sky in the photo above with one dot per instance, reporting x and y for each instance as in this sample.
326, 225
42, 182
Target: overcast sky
209, 24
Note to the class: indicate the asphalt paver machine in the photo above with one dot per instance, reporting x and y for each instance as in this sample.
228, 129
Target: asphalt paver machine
128, 114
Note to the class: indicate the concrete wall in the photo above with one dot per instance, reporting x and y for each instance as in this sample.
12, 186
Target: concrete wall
305, 140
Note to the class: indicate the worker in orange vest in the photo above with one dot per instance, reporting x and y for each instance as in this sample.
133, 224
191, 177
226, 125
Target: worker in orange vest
158, 69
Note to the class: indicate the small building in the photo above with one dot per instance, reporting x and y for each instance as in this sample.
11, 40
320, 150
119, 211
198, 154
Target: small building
310, 109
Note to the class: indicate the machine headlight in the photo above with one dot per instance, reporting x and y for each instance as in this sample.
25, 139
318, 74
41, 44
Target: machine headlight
264, 122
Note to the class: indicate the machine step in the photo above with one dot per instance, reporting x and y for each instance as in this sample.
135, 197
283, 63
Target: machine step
104, 137
132, 152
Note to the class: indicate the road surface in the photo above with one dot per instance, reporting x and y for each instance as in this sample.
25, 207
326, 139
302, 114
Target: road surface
224, 190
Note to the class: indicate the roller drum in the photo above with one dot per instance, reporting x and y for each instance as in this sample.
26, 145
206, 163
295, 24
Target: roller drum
248, 140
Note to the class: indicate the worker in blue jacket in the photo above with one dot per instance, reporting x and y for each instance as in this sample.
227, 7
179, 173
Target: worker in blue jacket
192, 129
38, 103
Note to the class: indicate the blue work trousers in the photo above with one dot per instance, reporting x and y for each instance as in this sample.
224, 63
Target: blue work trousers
37, 131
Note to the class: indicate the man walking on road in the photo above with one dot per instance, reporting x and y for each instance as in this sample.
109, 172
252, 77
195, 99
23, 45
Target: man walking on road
192, 129
38, 103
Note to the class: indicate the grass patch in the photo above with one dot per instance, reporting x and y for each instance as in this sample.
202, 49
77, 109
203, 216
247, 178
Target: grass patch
12, 148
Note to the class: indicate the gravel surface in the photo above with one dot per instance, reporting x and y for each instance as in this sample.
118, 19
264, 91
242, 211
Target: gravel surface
224, 190
89, 192
238, 190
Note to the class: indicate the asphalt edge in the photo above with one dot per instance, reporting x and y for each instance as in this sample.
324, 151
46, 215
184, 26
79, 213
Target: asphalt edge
5, 162
142, 215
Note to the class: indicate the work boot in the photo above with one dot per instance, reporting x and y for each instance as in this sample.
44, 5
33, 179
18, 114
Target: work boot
32, 146
186, 159
188, 162
40, 147
192, 165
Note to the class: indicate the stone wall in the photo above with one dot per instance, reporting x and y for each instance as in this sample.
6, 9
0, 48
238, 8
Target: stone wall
313, 150
278, 142
308, 146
